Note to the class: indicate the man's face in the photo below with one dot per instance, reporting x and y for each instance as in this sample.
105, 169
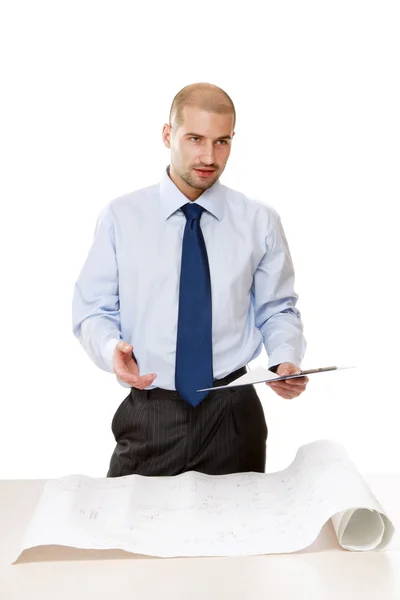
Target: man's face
201, 143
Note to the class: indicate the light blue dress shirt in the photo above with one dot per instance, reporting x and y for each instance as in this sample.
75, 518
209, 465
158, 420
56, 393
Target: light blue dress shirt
128, 287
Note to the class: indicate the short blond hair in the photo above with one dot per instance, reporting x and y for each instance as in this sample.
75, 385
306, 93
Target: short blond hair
205, 96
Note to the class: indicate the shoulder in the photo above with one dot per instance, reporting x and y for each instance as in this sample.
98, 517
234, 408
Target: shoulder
250, 208
136, 198
118, 208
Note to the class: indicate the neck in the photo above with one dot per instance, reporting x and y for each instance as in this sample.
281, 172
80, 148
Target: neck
187, 190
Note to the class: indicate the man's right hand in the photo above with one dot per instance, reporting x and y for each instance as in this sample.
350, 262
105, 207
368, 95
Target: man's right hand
126, 368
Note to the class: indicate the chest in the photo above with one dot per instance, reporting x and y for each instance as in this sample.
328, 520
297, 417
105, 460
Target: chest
149, 251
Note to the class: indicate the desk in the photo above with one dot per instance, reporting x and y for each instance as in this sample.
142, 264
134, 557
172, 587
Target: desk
324, 571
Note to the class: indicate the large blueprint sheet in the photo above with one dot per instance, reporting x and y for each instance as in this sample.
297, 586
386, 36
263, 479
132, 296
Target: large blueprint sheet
194, 514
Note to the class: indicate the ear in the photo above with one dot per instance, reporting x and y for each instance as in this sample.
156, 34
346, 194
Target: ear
166, 135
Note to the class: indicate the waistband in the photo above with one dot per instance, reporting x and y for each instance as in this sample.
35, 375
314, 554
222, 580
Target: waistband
217, 382
230, 377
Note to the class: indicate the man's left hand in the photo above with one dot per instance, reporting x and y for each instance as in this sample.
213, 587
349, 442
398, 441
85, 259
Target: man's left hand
289, 388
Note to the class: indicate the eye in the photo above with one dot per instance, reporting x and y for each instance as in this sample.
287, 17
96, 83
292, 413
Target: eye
194, 138
223, 141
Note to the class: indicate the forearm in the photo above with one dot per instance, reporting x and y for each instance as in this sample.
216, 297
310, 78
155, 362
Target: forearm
95, 304
98, 334
276, 314
283, 337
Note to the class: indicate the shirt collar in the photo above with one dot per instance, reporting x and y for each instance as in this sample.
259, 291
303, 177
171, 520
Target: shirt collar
171, 198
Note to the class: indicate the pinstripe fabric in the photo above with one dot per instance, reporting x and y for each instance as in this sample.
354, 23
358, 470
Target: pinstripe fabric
158, 433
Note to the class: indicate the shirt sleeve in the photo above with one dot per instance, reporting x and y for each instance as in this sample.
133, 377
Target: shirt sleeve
276, 315
95, 304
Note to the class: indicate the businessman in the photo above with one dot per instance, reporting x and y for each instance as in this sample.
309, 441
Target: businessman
183, 284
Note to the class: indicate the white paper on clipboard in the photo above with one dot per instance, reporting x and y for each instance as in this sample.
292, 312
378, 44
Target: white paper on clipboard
261, 375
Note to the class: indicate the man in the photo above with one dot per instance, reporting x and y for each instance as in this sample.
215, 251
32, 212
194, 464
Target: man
183, 284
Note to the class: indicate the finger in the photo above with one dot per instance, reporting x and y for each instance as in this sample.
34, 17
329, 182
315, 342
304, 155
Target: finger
137, 381
280, 385
287, 393
297, 381
140, 386
298, 389
280, 388
124, 347
143, 381
285, 385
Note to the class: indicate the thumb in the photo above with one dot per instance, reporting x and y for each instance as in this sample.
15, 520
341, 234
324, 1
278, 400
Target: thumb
287, 369
124, 347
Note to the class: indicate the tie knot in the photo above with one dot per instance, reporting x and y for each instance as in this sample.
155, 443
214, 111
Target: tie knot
192, 210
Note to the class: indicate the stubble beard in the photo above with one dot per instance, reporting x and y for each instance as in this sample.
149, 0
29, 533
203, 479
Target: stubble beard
196, 184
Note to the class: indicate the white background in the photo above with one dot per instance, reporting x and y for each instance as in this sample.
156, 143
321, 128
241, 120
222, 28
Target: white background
87, 87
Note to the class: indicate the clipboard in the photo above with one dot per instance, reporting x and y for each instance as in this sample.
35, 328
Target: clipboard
252, 377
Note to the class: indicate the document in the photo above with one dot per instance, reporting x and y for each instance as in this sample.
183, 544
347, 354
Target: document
261, 374
194, 514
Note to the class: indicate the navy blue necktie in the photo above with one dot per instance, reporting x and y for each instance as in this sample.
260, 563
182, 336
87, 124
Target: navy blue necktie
194, 369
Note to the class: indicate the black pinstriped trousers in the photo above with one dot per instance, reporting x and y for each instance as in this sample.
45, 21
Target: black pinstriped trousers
158, 433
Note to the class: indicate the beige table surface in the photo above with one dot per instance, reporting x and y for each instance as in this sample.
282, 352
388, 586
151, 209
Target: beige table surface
323, 571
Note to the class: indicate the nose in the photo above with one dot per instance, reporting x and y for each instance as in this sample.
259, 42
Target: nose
208, 155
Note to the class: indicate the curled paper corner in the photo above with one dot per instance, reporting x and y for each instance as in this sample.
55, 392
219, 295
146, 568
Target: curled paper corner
363, 529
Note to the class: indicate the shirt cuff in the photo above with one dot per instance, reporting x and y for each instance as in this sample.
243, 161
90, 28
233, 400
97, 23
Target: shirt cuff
108, 353
284, 355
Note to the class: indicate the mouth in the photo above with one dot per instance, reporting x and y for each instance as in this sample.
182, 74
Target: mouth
205, 172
